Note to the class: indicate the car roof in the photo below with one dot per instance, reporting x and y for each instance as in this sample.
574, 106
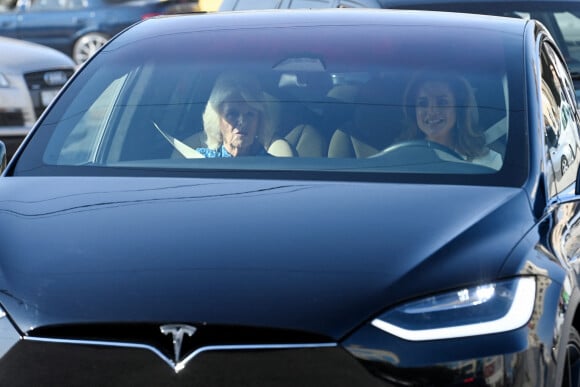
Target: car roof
313, 17
360, 29
356, 25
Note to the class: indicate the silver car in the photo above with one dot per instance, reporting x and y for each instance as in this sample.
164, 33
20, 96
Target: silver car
30, 77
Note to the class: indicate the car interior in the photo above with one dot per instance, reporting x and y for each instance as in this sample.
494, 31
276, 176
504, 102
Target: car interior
321, 114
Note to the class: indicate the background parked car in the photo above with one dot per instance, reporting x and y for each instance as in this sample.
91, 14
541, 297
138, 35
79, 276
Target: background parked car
30, 76
76, 27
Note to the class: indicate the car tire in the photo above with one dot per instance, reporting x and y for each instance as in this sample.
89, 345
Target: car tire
572, 364
87, 45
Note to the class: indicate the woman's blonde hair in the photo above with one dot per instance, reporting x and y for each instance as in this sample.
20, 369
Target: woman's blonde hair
468, 139
232, 87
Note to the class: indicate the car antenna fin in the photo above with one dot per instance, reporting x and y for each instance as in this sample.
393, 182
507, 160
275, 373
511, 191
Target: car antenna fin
183, 149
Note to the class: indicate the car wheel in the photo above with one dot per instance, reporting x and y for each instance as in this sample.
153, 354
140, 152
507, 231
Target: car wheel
572, 365
87, 45
564, 165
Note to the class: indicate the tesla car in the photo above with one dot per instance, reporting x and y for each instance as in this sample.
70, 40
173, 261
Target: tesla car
30, 77
78, 28
332, 197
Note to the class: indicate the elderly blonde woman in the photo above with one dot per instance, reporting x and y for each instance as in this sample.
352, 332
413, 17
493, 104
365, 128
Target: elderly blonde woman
237, 122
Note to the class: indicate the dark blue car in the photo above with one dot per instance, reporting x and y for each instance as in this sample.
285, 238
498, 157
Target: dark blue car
76, 27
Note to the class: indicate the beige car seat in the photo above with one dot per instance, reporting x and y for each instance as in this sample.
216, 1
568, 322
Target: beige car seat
377, 121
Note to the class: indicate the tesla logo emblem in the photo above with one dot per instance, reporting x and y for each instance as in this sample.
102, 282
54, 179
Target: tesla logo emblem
177, 331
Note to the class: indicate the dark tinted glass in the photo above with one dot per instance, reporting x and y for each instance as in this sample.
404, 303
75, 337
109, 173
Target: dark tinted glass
126, 109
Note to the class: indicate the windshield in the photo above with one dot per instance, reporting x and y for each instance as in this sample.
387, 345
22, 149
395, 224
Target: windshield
375, 110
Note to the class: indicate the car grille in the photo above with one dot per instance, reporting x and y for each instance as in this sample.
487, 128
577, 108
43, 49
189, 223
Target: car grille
151, 335
62, 364
141, 355
40, 90
13, 117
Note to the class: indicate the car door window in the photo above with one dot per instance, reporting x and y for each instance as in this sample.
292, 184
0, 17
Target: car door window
81, 144
570, 26
560, 125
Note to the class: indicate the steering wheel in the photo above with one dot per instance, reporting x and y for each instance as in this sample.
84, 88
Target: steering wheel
418, 144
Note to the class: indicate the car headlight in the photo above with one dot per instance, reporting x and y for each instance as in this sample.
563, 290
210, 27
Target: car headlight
479, 310
4, 81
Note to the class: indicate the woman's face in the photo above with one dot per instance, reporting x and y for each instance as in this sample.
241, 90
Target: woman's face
239, 126
435, 109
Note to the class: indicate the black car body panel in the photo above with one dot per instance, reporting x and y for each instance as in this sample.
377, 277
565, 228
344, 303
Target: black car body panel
306, 279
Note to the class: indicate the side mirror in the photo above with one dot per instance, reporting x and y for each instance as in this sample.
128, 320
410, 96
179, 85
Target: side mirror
3, 157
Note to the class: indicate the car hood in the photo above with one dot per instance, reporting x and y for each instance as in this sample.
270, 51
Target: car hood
25, 56
314, 256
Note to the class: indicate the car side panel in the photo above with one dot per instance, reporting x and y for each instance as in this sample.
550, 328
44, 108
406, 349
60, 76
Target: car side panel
9, 23
53, 28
